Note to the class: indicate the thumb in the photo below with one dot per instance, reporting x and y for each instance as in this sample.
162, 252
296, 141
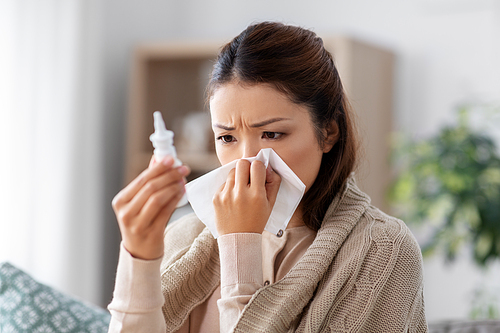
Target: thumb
273, 181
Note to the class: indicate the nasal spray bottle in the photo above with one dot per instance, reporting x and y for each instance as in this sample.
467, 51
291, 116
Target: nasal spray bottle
163, 142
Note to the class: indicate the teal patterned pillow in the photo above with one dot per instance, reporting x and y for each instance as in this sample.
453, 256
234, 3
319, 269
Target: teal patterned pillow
29, 306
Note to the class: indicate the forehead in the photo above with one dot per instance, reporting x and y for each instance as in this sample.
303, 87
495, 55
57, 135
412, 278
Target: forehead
251, 101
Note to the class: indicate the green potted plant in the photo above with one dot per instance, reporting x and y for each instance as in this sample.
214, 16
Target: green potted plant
451, 182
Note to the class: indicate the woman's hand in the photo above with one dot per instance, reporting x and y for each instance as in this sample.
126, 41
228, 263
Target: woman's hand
245, 201
144, 207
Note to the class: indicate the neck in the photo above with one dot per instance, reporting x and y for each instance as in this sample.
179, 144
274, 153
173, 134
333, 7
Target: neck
296, 220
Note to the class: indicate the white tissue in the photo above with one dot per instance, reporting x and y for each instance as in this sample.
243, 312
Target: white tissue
201, 191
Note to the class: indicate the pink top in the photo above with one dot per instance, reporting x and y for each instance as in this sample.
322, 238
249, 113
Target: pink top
248, 262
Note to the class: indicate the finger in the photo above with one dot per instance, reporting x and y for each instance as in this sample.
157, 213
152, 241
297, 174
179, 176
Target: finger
230, 181
161, 220
273, 181
242, 174
152, 186
156, 184
156, 202
130, 191
225, 188
219, 191
257, 175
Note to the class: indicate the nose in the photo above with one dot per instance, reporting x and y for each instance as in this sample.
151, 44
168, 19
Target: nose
249, 149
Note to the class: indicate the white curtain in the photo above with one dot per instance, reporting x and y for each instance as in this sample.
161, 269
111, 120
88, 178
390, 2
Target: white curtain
50, 194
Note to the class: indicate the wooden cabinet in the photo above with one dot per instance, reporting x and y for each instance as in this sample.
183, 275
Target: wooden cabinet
171, 78
367, 73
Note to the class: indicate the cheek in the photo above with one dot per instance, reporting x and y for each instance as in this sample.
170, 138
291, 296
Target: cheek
224, 155
304, 161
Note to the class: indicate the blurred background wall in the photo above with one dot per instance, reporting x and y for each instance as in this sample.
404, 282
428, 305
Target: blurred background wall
446, 51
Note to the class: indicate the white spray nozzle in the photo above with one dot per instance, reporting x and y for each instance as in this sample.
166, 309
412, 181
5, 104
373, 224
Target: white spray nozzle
163, 140
159, 124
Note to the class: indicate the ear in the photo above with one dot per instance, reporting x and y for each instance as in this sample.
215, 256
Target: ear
331, 136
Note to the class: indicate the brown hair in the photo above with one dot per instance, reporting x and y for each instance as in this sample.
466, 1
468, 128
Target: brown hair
294, 60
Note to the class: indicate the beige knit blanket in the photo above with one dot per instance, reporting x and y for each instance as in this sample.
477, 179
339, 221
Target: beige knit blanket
362, 273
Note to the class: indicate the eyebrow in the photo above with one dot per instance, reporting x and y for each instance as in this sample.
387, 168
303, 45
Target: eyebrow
260, 124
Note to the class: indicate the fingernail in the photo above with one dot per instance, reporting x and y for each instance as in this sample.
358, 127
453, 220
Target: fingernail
183, 170
269, 170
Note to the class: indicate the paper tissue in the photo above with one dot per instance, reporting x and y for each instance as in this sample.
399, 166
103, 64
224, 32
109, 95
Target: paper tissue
200, 192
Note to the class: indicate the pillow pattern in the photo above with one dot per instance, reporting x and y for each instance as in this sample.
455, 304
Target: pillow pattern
29, 306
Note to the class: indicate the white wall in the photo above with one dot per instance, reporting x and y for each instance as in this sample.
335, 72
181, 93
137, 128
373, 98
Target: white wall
50, 183
447, 54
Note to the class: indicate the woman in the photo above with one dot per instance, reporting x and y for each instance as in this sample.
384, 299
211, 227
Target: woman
341, 264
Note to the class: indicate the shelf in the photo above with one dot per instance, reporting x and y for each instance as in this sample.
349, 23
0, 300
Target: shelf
198, 163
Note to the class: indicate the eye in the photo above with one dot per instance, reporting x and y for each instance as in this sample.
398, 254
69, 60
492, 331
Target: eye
272, 135
226, 138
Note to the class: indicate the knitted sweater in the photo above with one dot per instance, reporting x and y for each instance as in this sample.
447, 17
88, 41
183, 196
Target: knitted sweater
362, 273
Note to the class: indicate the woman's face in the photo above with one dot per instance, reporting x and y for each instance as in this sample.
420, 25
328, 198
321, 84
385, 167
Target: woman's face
248, 118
